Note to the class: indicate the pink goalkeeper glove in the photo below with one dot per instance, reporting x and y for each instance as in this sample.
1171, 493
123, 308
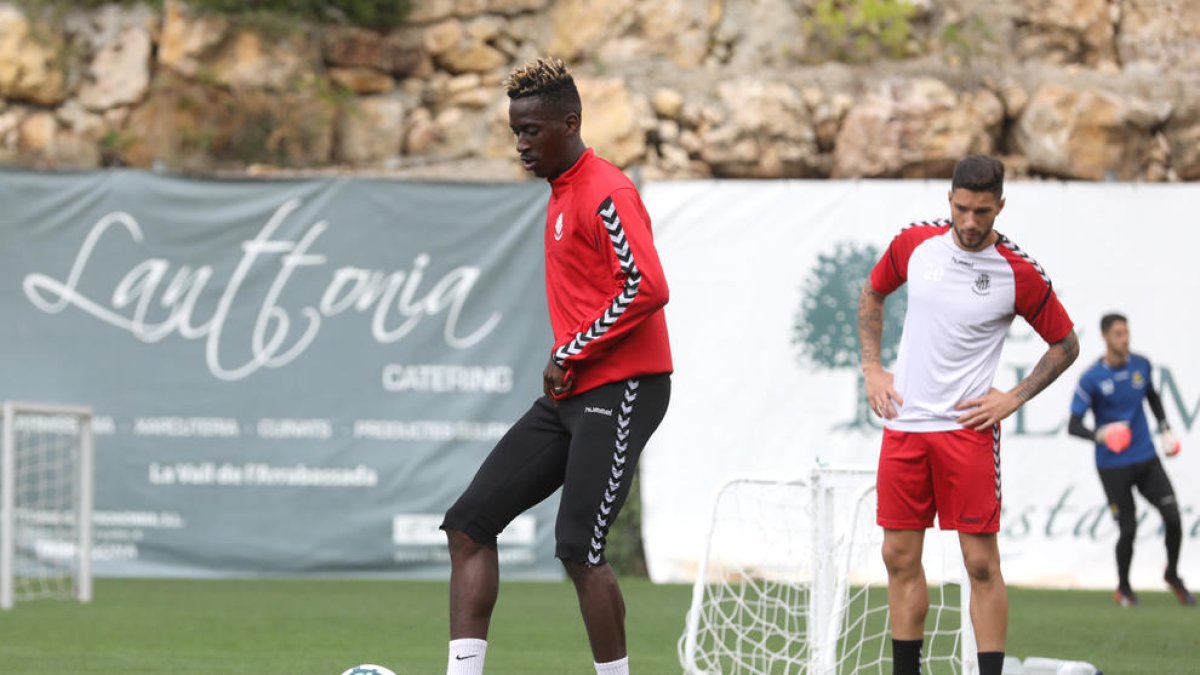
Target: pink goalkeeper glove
1115, 435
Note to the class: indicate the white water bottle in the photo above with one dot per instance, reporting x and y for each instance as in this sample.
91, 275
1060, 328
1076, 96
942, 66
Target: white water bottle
1012, 666
1036, 665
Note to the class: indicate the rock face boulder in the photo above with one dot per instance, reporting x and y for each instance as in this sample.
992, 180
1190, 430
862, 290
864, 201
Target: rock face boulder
1069, 31
212, 49
32, 67
1090, 134
622, 31
428, 11
456, 133
460, 47
915, 127
1084, 89
1182, 136
250, 60
680, 30
201, 127
186, 39
762, 129
120, 42
362, 81
399, 54
1160, 36
352, 47
45, 142
748, 36
615, 120
371, 129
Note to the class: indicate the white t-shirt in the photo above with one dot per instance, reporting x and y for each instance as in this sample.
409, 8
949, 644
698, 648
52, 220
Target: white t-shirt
960, 305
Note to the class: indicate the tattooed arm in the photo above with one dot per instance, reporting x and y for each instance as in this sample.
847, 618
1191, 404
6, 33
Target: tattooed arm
1053, 363
981, 413
878, 382
870, 325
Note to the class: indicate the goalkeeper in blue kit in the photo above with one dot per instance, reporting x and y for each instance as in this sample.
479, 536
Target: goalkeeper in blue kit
1114, 389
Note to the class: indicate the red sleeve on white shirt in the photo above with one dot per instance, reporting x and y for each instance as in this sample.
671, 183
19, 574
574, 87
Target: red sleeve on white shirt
891, 271
1036, 300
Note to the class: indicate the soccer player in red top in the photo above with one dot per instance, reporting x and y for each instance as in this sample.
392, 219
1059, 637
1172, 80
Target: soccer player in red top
606, 381
941, 439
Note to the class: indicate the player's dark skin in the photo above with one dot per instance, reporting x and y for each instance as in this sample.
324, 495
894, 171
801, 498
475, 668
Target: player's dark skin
548, 144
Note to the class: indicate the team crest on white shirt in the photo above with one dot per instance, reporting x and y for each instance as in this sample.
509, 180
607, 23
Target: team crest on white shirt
983, 284
558, 227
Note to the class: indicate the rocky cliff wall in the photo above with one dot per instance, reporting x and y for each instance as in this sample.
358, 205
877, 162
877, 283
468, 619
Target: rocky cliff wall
1084, 89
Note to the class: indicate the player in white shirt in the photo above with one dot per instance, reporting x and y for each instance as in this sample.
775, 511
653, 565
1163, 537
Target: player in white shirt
941, 445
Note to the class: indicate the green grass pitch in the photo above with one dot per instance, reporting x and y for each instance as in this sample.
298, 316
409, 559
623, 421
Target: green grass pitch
323, 627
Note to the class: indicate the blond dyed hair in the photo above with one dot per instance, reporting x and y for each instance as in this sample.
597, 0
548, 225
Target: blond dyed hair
545, 77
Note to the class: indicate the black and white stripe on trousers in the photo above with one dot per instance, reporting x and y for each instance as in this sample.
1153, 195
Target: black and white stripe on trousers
604, 514
996, 457
1008, 243
633, 279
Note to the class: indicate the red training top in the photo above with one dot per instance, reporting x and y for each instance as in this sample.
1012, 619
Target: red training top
604, 284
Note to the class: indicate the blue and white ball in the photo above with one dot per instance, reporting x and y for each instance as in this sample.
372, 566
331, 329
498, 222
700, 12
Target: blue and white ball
368, 669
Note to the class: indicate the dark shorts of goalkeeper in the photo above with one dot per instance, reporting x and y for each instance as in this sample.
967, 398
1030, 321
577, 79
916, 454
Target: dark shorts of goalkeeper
587, 444
1149, 477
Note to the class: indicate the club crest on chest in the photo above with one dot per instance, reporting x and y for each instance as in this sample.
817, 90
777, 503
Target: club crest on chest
983, 284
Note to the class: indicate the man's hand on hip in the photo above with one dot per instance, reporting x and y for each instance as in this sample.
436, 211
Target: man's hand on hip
880, 391
982, 413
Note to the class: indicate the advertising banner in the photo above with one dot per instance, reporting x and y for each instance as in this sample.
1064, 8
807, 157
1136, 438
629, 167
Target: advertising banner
298, 377
765, 279
288, 377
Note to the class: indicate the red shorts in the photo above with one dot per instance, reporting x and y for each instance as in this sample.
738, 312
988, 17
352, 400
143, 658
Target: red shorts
955, 474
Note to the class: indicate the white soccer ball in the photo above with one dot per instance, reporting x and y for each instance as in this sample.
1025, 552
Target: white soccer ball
368, 669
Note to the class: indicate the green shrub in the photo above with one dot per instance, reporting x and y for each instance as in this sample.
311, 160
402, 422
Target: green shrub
860, 31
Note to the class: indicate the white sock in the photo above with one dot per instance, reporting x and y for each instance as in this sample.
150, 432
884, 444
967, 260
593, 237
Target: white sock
618, 667
466, 657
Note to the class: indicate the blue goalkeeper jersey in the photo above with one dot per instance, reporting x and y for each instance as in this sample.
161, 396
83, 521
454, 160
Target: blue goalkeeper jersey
1117, 395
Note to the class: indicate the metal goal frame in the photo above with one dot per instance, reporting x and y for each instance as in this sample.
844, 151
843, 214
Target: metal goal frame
84, 477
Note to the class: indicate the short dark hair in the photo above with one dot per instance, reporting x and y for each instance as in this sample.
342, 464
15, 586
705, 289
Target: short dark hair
548, 79
979, 173
1109, 319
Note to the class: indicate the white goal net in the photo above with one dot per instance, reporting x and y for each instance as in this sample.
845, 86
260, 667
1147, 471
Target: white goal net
45, 503
792, 582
